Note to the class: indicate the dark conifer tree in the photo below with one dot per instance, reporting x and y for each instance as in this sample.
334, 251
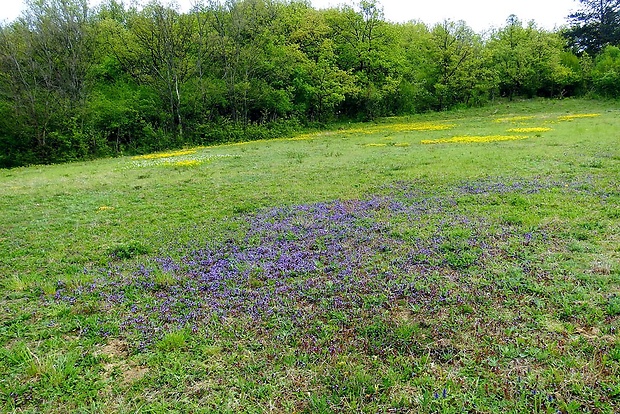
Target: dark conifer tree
594, 26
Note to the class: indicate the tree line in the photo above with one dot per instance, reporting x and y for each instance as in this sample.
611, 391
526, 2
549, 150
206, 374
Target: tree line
79, 82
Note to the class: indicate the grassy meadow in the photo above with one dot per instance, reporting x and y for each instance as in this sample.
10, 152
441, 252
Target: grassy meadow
464, 261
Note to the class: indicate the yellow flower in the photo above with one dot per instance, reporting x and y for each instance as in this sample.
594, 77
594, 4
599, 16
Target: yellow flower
164, 155
419, 126
474, 139
532, 129
303, 137
402, 127
105, 208
184, 163
514, 119
375, 145
401, 144
576, 116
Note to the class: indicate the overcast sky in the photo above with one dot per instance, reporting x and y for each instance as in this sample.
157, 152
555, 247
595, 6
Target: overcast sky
479, 14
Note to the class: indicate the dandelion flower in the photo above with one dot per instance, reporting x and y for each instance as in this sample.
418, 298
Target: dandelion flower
514, 119
164, 155
577, 116
474, 139
532, 129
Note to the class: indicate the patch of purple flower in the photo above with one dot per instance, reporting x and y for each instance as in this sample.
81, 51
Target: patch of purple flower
504, 186
299, 263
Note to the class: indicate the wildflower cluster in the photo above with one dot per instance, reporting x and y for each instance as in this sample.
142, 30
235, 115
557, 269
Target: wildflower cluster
529, 129
474, 139
390, 144
514, 119
488, 186
577, 116
419, 126
189, 159
401, 127
185, 163
297, 265
309, 136
301, 137
164, 154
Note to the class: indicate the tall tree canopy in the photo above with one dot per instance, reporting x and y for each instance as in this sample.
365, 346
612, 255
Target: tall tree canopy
595, 25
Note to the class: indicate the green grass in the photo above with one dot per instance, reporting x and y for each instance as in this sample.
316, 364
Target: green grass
516, 307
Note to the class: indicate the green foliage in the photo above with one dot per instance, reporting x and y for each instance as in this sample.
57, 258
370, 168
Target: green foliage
173, 341
128, 251
531, 62
606, 72
456, 53
78, 83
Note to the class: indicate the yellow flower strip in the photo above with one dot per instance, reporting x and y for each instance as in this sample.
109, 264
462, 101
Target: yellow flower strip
400, 127
577, 116
302, 137
165, 154
190, 160
184, 163
421, 126
474, 139
403, 127
514, 119
532, 129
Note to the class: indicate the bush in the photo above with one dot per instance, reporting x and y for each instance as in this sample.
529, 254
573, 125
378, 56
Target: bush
606, 73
